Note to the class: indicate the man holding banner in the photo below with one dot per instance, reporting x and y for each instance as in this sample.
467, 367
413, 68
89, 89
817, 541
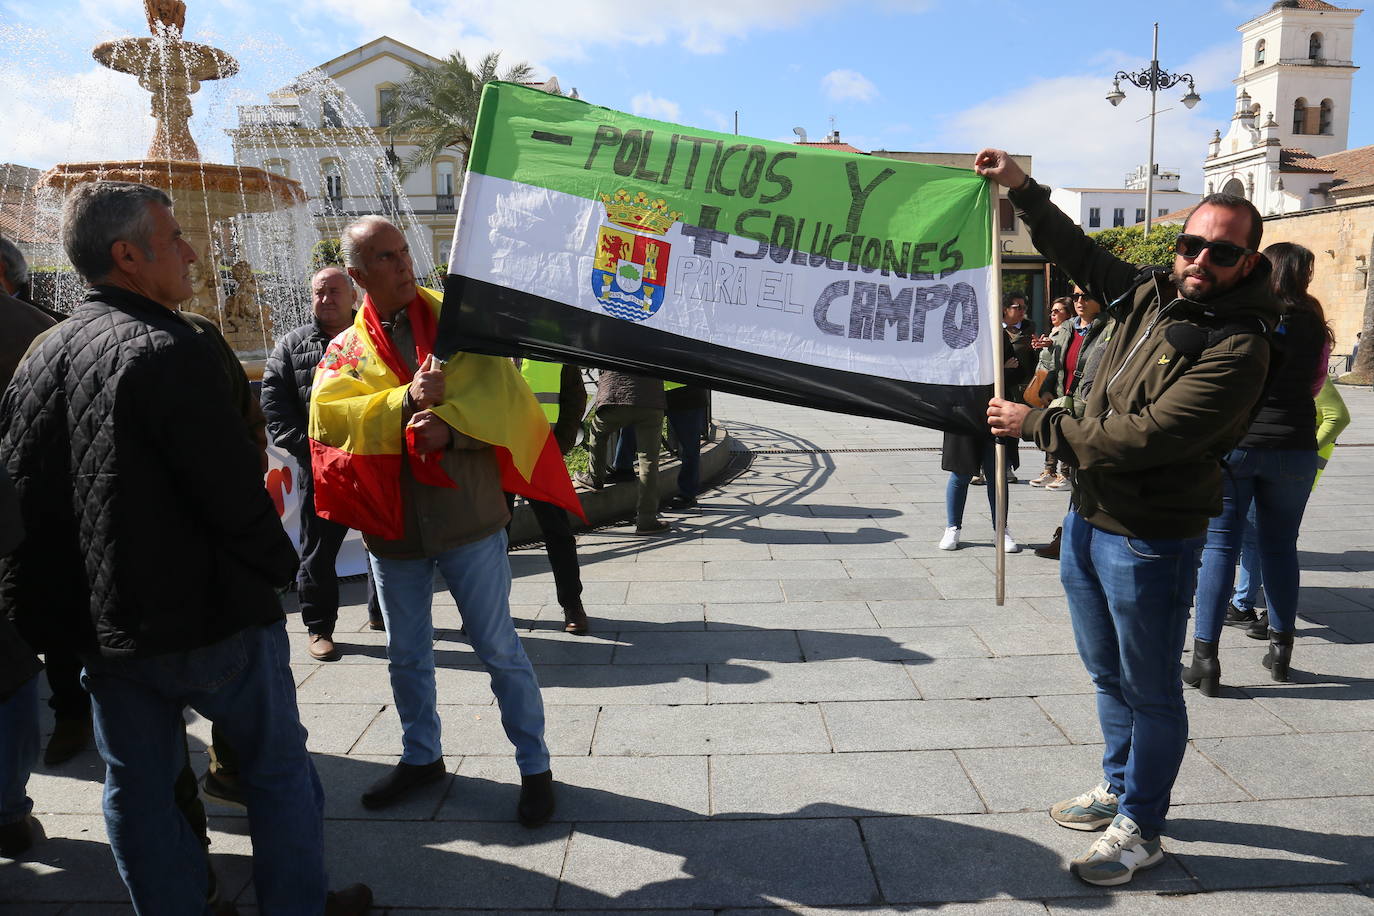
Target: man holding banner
1176, 386
416, 453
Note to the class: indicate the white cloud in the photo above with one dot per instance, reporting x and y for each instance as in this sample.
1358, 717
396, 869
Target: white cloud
848, 85
1078, 140
648, 105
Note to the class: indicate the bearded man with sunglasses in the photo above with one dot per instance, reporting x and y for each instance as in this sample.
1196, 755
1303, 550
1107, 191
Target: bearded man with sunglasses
1174, 390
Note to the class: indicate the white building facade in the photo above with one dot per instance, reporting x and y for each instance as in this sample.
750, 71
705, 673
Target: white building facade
328, 131
1103, 208
1293, 98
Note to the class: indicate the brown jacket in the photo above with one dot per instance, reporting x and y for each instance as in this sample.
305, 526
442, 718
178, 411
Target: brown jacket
1159, 418
438, 519
20, 323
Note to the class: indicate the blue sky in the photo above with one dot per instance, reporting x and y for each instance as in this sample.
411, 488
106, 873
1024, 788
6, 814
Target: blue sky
895, 74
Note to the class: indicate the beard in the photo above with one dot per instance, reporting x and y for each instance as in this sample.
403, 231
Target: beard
1194, 272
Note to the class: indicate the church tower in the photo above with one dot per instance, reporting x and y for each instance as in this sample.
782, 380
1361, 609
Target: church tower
1293, 100
1297, 63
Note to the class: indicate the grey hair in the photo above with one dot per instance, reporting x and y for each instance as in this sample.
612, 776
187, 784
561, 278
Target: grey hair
16, 268
348, 241
96, 215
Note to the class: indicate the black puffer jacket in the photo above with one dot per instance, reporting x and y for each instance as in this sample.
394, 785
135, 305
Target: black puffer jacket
149, 529
286, 381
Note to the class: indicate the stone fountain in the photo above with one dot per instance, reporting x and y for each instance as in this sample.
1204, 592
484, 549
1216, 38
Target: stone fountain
206, 196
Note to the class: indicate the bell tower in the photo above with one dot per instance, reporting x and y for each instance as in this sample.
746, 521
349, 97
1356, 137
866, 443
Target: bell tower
1297, 63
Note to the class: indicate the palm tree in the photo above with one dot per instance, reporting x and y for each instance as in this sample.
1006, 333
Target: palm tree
437, 106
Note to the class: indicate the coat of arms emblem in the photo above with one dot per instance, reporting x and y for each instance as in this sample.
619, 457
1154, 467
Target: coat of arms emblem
630, 271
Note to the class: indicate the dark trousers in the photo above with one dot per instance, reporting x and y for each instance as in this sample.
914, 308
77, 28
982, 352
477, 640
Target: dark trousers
561, 547
69, 699
317, 584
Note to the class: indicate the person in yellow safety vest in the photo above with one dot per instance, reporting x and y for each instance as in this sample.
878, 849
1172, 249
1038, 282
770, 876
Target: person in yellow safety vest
686, 414
558, 389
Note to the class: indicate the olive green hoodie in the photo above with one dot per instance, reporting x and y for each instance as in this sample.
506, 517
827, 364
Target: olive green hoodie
1159, 418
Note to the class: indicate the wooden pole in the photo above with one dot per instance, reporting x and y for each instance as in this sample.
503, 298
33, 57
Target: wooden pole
999, 391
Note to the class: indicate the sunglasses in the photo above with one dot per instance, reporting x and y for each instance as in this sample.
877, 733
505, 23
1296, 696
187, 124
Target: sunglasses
1224, 254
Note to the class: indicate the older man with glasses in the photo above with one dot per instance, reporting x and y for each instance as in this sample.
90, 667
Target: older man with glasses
1175, 388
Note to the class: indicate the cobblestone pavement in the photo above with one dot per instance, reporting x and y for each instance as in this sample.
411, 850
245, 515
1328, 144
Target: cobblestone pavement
796, 701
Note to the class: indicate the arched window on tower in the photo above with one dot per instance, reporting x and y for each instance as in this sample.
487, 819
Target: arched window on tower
1300, 116
1324, 123
1234, 187
1314, 46
1259, 53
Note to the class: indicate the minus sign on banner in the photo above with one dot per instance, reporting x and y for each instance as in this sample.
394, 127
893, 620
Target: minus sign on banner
563, 139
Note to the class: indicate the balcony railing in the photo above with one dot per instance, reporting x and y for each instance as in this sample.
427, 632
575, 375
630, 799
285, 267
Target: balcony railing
444, 203
269, 116
1318, 62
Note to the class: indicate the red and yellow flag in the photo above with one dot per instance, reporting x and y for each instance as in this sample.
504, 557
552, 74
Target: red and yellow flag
357, 434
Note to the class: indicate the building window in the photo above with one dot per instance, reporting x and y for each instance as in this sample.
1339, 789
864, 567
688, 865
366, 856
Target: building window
1140, 214
1324, 118
385, 99
280, 167
1006, 215
1300, 116
1162, 211
333, 184
1259, 53
329, 114
1119, 216
1094, 217
1314, 46
443, 186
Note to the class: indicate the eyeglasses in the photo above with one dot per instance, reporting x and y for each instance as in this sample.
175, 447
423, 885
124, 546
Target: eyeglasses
1224, 254
1058, 312
1016, 306
1077, 296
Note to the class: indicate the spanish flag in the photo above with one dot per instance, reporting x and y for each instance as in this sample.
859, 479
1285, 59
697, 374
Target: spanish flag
358, 437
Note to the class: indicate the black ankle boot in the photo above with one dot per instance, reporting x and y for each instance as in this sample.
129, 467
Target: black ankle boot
1205, 671
1279, 655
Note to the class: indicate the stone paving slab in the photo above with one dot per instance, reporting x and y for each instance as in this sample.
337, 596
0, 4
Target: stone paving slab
930, 724
907, 782
717, 864
754, 728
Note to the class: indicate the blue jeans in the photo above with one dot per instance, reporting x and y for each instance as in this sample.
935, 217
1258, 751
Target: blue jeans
18, 750
956, 491
1128, 600
478, 577
244, 685
1278, 483
1249, 576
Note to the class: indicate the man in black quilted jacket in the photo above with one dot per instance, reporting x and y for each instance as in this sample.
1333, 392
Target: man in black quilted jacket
158, 554
286, 382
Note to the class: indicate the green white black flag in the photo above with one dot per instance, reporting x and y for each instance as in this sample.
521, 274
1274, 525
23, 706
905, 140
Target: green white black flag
829, 279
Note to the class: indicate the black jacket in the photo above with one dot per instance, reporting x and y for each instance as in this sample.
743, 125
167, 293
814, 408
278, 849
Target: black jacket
149, 529
17, 662
1287, 418
286, 381
1173, 391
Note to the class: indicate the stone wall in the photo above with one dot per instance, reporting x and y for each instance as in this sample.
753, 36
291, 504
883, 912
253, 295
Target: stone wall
1340, 237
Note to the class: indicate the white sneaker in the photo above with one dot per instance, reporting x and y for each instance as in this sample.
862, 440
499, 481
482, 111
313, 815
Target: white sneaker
951, 539
1117, 855
1009, 544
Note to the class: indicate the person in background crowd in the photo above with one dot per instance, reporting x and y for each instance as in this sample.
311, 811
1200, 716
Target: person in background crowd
1273, 467
1020, 347
1051, 357
19, 667
196, 622
1332, 418
21, 323
686, 416
286, 382
964, 455
559, 390
1179, 378
626, 399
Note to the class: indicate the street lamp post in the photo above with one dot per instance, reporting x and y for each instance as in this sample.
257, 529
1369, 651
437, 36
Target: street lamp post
1153, 79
